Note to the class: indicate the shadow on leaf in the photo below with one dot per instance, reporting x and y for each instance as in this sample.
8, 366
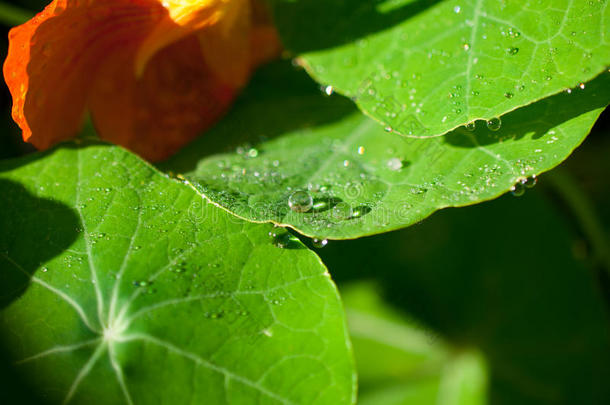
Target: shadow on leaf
48, 226
537, 119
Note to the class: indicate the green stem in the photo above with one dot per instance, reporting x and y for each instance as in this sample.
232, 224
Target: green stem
584, 211
11, 15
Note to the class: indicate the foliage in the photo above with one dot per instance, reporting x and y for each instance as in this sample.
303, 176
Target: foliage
202, 280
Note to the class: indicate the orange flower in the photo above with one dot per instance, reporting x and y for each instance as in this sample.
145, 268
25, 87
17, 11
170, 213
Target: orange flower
153, 74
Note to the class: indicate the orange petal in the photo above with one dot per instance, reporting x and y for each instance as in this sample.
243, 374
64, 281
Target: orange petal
141, 66
226, 45
244, 39
264, 38
53, 57
175, 99
184, 17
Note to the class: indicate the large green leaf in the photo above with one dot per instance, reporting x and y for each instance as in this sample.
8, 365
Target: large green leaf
426, 67
361, 179
120, 285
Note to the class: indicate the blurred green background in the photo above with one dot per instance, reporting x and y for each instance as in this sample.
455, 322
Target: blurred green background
505, 302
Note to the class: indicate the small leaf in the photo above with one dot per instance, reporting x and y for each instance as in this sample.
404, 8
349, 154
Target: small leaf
361, 179
120, 285
426, 67
401, 362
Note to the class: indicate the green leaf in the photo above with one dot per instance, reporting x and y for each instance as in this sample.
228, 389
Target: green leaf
401, 362
425, 67
120, 285
361, 179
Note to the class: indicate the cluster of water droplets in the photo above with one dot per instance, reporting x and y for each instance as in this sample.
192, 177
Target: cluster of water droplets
518, 189
492, 124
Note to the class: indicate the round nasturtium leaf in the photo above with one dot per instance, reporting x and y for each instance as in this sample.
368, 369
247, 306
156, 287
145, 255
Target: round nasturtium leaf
424, 67
121, 285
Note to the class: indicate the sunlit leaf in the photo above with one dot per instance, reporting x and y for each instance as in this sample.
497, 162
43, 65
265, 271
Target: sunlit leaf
120, 285
426, 67
318, 165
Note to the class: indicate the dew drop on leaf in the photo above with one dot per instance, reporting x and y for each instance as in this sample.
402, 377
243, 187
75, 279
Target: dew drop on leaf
319, 243
518, 189
394, 164
342, 211
494, 124
284, 240
512, 51
313, 187
531, 182
328, 90
471, 126
300, 201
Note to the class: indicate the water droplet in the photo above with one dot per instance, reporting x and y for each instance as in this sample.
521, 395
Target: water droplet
457, 9
342, 211
531, 182
284, 240
466, 46
319, 243
518, 189
328, 90
252, 153
346, 163
494, 124
508, 95
389, 129
361, 150
394, 164
513, 34
300, 201
582, 86
512, 51
471, 126
313, 187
